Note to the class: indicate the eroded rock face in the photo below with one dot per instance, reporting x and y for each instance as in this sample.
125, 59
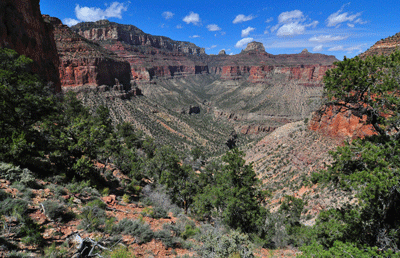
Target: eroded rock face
84, 63
131, 35
335, 122
23, 29
222, 52
255, 46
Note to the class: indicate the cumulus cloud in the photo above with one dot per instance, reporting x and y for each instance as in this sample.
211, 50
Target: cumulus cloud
335, 19
243, 42
289, 17
70, 22
292, 23
246, 32
167, 15
94, 13
213, 27
179, 26
192, 18
243, 18
327, 38
291, 29
194, 36
317, 48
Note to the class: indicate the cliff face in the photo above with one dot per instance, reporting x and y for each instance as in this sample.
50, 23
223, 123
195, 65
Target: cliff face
153, 57
82, 62
335, 122
23, 29
131, 35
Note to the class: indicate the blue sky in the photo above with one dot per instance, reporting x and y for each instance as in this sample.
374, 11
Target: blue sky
339, 28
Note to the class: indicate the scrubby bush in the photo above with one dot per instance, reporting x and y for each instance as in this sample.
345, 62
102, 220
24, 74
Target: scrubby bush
93, 216
225, 245
135, 228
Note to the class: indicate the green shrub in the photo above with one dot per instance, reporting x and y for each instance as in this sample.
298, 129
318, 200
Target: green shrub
57, 211
225, 245
12, 206
120, 252
30, 232
93, 216
135, 228
189, 231
56, 252
166, 238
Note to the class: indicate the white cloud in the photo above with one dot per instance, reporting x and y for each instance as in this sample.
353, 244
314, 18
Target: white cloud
266, 30
213, 46
269, 20
351, 25
290, 17
337, 48
243, 18
335, 19
358, 48
291, 29
167, 15
327, 38
317, 48
194, 36
246, 32
70, 22
179, 26
213, 27
292, 23
274, 28
94, 13
192, 18
313, 24
243, 42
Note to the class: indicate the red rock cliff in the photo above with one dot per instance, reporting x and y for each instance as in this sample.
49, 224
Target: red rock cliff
336, 122
23, 29
82, 62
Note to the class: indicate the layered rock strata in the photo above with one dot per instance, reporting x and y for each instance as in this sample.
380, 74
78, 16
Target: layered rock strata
82, 62
384, 47
23, 29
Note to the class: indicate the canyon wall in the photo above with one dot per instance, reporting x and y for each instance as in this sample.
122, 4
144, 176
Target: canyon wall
23, 29
82, 62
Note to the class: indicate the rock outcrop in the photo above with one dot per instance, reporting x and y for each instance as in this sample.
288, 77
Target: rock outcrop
131, 35
254, 46
384, 47
335, 122
82, 62
23, 29
222, 52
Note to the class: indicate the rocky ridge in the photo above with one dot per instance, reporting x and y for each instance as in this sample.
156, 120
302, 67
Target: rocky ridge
384, 46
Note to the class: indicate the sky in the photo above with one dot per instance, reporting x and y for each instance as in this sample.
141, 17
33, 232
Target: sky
339, 28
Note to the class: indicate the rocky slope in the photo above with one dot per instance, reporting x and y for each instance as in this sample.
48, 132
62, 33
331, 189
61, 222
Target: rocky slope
344, 124
23, 29
384, 46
